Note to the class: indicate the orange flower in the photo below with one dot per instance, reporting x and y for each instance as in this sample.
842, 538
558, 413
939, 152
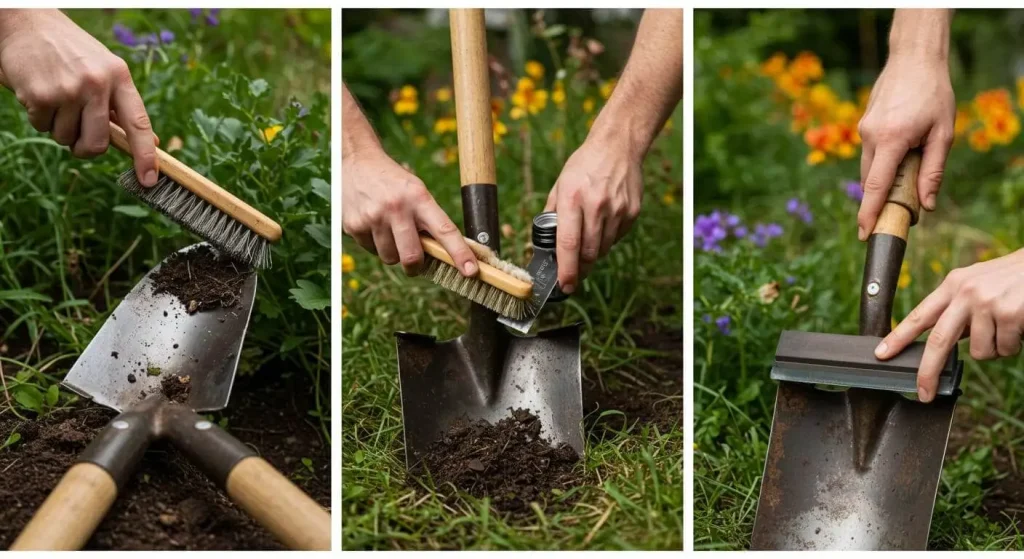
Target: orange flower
1002, 127
992, 101
774, 66
964, 120
979, 141
528, 98
806, 67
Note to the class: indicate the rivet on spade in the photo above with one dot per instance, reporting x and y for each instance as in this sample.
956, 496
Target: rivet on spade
873, 288
203, 425
120, 425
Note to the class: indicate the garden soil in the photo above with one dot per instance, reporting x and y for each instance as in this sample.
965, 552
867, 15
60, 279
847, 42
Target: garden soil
508, 462
201, 279
169, 503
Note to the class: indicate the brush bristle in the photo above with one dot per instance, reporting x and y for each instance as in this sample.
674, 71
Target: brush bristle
201, 218
477, 291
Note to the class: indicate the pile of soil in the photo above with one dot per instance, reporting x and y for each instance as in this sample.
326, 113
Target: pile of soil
176, 388
508, 462
202, 279
653, 398
169, 504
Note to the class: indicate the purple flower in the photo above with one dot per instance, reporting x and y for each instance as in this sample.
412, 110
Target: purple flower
740, 232
764, 233
213, 17
795, 207
711, 229
706, 318
790, 280
854, 191
195, 13
722, 323
732, 220
166, 36
124, 35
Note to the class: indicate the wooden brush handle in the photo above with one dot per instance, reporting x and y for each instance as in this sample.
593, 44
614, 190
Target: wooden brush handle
472, 96
488, 274
70, 514
205, 189
279, 506
902, 209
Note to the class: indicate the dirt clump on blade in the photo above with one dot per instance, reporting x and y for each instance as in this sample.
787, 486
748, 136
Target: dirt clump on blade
202, 279
508, 462
176, 388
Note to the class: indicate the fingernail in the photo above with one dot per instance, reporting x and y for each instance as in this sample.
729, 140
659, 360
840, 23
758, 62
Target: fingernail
860, 233
929, 202
469, 268
568, 289
922, 394
150, 178
881, 350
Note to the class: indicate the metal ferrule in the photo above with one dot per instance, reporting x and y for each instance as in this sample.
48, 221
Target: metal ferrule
121, 444
480, 212
878, 288
203, 442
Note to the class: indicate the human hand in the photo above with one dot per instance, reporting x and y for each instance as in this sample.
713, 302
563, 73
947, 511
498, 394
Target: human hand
384, 207
984, 301
597, 197
72, 86
911, 105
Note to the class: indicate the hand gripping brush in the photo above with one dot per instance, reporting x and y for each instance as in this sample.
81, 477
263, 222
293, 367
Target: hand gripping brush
517, 295
203, 208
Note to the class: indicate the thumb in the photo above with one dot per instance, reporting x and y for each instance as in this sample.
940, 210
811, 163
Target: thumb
933, 165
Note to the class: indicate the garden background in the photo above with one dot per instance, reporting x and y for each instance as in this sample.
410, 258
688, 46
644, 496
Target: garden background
778, 94
551, 73
243, 97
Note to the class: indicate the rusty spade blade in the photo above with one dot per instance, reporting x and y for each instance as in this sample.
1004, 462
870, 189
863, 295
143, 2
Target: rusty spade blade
856, 468
149, 336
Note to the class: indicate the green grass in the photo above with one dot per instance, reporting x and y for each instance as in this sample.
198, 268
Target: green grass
633, 497
72, 243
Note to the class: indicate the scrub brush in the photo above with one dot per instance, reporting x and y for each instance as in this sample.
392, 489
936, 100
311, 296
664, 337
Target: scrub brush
200, 206
500, 286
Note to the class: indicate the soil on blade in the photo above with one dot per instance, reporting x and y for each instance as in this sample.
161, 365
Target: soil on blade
169, 503
202, 279
508, 462
176, 388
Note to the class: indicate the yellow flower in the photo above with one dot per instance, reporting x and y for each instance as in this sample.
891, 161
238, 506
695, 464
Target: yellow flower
590, 123
1002, 127
964, 120
936, 266
588, 105
444, 125
774, 65
822, 98
904, 280
668, 199
847, 112
607, 87
815, 157
668, 125
443, 95
419, 141
446, 156
191, 63
499, 130
806, 67
558, 94
408, 101
528, 97
789, 84
516, 113
353, 284
534, 69
344, 311
271, 132
347, 263
846, 150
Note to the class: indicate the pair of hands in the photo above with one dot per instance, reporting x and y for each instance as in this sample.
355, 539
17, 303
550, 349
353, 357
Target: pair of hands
597, 197
73, 87
984, 301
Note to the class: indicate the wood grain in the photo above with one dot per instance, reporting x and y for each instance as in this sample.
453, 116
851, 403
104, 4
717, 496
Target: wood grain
70, 514
488, 274
472, 97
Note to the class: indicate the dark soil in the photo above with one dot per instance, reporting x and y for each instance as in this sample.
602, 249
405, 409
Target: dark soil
176, 388
201, 279
649, 395
168, 504
507, 462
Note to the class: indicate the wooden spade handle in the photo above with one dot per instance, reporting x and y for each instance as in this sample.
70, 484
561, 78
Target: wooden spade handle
488, 274
71, 512
279, 506
902, 209
205, 189
472, 96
